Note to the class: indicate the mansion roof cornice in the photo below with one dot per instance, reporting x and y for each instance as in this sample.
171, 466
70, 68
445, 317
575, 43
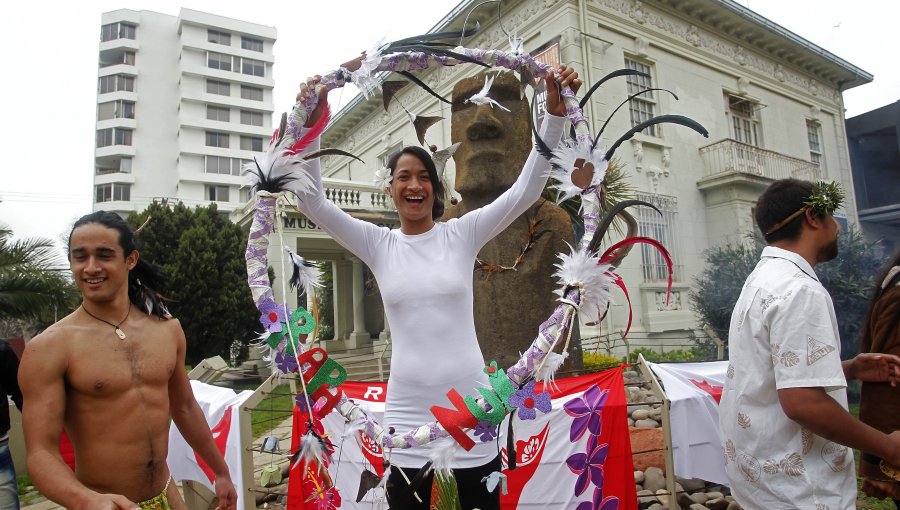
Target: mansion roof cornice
717, 29
734, 20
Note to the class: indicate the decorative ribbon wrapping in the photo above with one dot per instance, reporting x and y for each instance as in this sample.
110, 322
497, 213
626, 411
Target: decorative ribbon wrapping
413, 61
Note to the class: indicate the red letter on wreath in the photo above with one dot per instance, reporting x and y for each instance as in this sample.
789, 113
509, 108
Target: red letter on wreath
453, 420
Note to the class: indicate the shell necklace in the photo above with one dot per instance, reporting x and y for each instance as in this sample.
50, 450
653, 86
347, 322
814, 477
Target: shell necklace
117, 327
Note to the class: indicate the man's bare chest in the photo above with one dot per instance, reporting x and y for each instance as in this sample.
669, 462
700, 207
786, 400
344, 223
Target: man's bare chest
107, 365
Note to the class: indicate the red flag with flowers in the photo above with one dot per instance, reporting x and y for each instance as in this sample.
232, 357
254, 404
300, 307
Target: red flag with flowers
576, 456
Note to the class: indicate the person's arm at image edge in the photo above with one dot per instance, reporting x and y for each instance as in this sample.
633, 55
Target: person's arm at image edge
191, 422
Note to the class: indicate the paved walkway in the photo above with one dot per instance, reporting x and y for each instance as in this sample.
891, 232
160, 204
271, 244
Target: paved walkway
260, 460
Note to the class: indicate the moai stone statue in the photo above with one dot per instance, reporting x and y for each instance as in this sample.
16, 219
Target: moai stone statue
509, 304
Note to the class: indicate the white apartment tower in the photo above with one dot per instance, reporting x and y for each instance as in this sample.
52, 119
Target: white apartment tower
181, 103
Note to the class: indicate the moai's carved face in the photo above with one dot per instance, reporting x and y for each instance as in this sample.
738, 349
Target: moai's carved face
496, 143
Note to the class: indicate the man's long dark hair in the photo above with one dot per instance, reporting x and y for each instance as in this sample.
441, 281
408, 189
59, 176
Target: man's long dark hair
145, 279
881, 288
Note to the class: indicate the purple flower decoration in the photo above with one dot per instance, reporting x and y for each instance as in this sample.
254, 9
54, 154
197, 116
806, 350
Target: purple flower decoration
486, 431
285, 362
586, 411
599, 502
588, 467
272, 316
526, 401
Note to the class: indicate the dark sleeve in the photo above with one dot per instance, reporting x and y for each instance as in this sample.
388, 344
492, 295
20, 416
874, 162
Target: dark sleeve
884, 324
9, 370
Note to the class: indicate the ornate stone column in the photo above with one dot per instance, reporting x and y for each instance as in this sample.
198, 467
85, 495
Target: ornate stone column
359, 337
385, 334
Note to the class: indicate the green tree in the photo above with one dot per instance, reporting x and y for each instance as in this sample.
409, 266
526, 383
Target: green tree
203, 255
717, 288
848, 279
34, 286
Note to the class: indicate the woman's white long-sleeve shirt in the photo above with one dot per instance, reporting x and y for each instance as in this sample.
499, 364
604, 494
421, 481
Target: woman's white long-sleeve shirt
426, 286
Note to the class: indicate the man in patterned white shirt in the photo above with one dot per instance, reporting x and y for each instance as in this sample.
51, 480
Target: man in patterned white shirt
783, 414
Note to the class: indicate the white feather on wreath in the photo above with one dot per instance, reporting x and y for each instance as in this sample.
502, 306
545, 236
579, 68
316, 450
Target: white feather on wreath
580, 269
565, 158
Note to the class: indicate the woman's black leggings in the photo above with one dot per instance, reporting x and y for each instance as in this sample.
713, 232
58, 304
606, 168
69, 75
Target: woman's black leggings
473, 492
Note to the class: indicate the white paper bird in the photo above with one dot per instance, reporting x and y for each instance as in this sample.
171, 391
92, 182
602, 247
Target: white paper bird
481, 97
516, 44
365, 78
494, 479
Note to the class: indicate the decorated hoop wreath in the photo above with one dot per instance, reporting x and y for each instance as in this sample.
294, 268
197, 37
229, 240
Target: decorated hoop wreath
585, 275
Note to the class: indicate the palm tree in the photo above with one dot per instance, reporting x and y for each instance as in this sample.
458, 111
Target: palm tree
33, 282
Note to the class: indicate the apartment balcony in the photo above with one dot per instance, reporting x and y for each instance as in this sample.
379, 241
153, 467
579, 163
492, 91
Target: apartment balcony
198, 95
187, 120
729, 160
119, 44
119, 177
115, 151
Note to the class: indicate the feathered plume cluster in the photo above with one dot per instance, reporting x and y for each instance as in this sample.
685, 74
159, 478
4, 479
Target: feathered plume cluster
547, 371
277, 167
441, 454
281, 167
565, 159
314, 450
306, 274
585, 270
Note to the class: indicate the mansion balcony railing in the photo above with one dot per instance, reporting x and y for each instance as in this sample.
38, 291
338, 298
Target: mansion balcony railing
355, 195
731, 156
348, 195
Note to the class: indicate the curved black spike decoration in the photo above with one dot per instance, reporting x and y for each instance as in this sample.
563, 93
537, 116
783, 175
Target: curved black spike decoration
539, 144
623, 103
662, 119
614, 74
595, 86
265, 182
331, 152
418, 39
610, 216
423, 86
282, 128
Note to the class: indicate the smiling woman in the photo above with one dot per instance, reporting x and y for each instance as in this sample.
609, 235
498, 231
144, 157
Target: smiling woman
424, 273
417, 190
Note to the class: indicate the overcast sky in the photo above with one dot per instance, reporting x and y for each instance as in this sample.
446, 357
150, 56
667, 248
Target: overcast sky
50, 78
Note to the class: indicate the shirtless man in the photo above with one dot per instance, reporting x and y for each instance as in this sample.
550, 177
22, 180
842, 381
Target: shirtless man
112, 375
